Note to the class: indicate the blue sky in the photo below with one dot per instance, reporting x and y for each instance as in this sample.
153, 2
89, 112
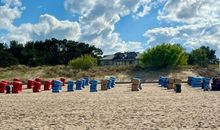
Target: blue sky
132, 29
120, 25
35, 8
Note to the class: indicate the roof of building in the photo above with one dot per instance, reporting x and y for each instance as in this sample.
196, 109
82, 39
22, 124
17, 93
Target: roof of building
126, 55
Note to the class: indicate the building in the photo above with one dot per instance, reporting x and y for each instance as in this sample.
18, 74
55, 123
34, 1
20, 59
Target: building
127, 58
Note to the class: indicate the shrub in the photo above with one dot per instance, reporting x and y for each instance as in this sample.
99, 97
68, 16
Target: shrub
84, 62
163, 56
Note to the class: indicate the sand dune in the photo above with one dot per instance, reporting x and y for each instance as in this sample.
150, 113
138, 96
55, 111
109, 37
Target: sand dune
118, 108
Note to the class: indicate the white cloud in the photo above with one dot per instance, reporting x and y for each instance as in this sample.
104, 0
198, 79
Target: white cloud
198, 24
96, 23
48, 27
135, 46
191, 11
191, 36
9, 11
144, 12
98, 19
172, 34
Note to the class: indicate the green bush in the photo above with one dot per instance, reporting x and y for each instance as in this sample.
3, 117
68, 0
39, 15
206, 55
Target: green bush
84, 62
163, 56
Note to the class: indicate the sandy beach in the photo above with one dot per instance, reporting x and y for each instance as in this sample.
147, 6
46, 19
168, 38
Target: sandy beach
119, 108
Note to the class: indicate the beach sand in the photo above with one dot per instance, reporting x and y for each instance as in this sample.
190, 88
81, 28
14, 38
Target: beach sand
119, 108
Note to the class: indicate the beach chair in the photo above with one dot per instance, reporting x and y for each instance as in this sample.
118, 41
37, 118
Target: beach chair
17, 87
30, 84
171, 83
7, 82
83, 82
136, 84
163, 81
216, 84
178, 88
93, 86
47, 85
37, 87
113, 80
63, 80
3, 87
70, 86
86, 80
57, 86
189, 81
206, 84
108, 83
104, 84
79, 85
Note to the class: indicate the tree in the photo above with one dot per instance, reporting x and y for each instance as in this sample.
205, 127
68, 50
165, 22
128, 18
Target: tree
48, 52
210, 54
16, 50
198, 57
84, 62
6, 57
202, 56
163, 56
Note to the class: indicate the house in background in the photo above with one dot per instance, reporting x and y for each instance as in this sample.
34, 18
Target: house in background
127, 58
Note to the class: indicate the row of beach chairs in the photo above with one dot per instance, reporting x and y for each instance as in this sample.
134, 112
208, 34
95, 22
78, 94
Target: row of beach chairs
106, 84
206, 83
5, 86
55, 85
170, 83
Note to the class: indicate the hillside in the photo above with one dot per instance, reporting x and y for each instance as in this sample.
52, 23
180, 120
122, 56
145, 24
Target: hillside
123, 73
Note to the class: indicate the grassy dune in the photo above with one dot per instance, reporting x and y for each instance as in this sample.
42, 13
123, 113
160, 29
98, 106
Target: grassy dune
123, 73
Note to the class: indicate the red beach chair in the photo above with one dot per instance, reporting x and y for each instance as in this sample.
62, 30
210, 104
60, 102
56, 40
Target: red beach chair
37, 87
47, 85
63, 80
17, 87
3, 87
30, 84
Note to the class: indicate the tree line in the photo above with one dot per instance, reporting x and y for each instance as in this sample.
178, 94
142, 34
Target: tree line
48, 52
79, 54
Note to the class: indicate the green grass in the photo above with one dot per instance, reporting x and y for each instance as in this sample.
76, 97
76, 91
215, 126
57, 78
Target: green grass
50, 72
123, 73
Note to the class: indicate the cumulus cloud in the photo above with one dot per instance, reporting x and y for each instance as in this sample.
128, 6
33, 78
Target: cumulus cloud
9, 11
197, 20
191, 11
199, 24
175, 34
98, 19
190, 36
48, 27
135, 46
